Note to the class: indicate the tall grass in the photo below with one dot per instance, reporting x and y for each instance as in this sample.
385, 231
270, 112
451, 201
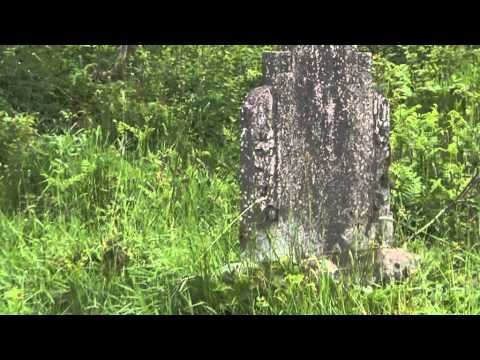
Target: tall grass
144, 233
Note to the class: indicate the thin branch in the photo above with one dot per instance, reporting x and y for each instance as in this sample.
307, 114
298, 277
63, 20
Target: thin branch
124, 51
472, 184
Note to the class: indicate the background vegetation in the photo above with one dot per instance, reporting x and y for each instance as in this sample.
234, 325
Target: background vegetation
119, 190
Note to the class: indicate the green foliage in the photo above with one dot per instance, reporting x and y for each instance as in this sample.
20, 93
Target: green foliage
120, 193
189, 96
17, 139
434, 93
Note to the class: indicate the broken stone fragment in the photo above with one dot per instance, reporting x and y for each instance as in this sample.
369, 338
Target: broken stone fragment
395, 264
317, 267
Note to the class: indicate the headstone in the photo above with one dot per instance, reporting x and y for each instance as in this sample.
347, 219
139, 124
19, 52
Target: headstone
315, 155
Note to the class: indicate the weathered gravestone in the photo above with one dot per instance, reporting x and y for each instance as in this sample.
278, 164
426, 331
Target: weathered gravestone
315, 155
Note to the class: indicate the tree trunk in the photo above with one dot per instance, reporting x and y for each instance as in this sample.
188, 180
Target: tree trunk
124, 52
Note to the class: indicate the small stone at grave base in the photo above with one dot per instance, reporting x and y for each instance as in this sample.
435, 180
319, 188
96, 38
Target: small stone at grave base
318, 266
395, 264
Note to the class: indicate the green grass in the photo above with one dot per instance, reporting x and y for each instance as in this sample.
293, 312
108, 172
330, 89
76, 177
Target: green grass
147, 234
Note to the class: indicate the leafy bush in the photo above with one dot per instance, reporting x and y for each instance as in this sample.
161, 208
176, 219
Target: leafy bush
434, 93
17, 140
189, 95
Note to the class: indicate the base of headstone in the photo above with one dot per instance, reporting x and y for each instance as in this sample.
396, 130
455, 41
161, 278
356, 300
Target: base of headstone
389, 265
312, 267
